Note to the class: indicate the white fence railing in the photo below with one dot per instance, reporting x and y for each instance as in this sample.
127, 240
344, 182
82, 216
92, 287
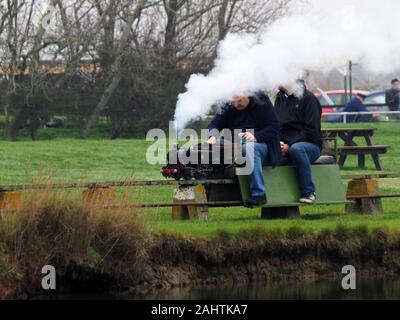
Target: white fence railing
345, 115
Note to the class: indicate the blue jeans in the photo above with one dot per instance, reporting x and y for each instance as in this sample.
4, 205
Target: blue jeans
303, 155
256, 154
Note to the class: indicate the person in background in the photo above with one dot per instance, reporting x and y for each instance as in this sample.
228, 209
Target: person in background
355, 105
393, 97
301, 136
253, 114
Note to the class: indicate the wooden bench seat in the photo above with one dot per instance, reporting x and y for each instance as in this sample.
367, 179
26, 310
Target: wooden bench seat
362, 152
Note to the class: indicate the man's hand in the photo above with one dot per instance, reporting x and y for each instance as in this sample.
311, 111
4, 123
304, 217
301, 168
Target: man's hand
285, 149
212, 140
249, 137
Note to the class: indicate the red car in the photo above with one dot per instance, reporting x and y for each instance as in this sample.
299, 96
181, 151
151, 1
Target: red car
335, 98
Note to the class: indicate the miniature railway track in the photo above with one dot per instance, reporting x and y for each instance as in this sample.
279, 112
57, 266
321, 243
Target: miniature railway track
381, 196
388, 175
230, 204
124, 184
154, 183
215, 204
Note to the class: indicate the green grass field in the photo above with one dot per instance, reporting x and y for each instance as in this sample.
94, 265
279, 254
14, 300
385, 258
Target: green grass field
58, 156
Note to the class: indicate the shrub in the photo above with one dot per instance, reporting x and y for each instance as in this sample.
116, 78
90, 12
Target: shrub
63, 232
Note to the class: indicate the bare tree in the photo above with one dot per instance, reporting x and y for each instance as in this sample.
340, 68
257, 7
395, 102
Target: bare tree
33, 40
141, 53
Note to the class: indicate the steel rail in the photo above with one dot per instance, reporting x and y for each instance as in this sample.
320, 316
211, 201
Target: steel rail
102, 185
388, 175
215, 204
381, 196
225, 204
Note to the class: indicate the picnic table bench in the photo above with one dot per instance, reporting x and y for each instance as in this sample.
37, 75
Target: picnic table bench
351, 148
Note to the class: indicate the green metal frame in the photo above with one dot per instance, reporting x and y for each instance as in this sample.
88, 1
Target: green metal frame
283, 186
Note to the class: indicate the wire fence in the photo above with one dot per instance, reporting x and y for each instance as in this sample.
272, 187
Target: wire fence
379, 116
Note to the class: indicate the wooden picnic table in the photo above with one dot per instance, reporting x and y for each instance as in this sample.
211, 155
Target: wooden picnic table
351, 147
348, 135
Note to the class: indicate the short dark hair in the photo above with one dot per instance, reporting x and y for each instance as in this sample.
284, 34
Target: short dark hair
395, 80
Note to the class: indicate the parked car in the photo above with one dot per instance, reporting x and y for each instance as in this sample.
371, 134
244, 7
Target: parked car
376, 101
377, 98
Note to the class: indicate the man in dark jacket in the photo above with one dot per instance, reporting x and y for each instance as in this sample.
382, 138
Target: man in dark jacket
255, 116
301, 136
355, 105
393, 97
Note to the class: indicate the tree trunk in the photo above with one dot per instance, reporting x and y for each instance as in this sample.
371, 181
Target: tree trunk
117, 68
17, 124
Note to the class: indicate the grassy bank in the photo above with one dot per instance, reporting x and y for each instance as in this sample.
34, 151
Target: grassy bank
59, 157
93, 249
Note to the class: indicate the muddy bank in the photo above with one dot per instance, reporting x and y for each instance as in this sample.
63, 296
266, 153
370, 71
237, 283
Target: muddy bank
258, 256
93, 250
175, 261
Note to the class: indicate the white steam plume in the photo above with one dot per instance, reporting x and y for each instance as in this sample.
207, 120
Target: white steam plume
326, 36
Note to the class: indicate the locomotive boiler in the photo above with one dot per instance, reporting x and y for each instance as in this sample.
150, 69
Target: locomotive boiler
200, 162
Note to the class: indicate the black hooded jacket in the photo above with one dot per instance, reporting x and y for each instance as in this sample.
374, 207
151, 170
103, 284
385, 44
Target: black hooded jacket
259, 116
393, 99
300, 118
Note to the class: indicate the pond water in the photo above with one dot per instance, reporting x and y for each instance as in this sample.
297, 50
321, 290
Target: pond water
370, 289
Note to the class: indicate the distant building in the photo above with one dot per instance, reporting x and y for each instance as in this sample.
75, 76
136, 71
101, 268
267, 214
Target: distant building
55, 68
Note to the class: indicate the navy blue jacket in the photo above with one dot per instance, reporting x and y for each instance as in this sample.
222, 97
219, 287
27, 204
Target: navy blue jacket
356, 105
265, 124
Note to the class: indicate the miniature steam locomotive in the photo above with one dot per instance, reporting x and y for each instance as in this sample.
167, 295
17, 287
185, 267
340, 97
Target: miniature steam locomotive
199, 162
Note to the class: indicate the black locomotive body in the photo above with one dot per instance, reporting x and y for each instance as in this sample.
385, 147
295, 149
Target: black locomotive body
201, 162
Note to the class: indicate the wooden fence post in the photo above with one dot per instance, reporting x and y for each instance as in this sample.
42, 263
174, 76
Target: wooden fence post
364, 188
184, 195
9, 201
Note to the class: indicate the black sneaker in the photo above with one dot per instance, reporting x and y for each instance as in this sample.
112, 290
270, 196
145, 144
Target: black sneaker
256, 201
309, 199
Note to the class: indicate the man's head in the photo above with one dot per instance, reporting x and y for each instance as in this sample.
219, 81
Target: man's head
287, 89
361, 97
240, 103
297, 89
395, 84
